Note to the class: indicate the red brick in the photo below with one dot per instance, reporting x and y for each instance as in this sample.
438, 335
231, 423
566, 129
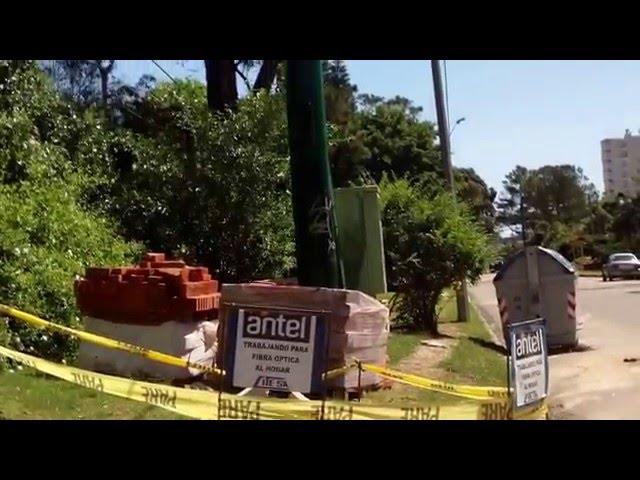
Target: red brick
148, 293
154, 257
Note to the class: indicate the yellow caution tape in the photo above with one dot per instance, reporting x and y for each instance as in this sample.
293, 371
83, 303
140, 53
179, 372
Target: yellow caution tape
107, 342
339, 371
465, 391
127, 347
208, 405
192, 403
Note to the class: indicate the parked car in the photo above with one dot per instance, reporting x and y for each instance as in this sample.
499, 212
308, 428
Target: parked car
621, 265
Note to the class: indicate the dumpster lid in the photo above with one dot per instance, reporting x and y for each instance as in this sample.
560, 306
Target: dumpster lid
566, 265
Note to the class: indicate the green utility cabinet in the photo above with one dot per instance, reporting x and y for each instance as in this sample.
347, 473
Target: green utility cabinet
360, 242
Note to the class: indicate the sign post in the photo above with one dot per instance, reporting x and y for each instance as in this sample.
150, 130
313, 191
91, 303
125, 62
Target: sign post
275, 348
528, 363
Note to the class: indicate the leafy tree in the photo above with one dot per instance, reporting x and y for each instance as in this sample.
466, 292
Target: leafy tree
346, 148
512, 205
213, 189
339, 92
404, 105
399, 144
387, 137
541, 201
49, 234
86, 82
368, 102
335, 74
472, 189
562, 193
430, 244
599, 220
626, 223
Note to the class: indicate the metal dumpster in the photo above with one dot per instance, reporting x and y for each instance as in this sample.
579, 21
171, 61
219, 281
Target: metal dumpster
539, 282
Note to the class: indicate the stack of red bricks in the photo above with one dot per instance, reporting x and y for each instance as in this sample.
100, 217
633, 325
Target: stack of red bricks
159, 304
154, 292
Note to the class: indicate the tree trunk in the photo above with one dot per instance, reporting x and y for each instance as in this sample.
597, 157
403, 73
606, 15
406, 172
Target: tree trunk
431, 320
266, 75
222, 92
105, 71
104, 80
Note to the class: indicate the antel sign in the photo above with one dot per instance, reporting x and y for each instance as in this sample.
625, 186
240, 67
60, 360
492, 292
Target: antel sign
275, 348
529, 362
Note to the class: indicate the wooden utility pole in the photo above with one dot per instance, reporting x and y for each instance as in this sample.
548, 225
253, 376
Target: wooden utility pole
445, 147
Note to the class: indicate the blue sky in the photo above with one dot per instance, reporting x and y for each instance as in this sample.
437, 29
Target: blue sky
529, 112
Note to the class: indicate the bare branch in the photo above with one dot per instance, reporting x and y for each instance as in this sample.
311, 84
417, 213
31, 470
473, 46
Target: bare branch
243, 76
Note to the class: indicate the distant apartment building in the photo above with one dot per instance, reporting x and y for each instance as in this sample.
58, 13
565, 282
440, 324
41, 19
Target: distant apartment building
621, 165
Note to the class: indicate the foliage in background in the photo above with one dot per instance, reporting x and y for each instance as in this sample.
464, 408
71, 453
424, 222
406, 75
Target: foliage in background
561, 210
400, 145
48, 235
374, 136
550, 203
211, 188
474, 192
625, 225
430, 244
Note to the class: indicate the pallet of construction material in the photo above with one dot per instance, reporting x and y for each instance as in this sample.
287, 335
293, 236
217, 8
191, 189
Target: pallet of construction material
358, 324
194, 342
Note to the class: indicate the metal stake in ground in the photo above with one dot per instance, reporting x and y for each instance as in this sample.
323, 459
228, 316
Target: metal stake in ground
312, 191
443, 135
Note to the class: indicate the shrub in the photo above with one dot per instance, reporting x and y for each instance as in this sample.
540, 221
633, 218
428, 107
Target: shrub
212, 188
47, 234
431, 244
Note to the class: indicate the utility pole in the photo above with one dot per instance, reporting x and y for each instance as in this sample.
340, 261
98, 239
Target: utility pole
523, 217
311, 185
445, 147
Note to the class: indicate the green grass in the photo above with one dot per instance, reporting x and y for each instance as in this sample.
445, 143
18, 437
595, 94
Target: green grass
26, 395
590, 273
402, 344
448, 307
473, 361
470, 362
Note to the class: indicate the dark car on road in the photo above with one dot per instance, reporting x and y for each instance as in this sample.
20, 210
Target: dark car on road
621, 265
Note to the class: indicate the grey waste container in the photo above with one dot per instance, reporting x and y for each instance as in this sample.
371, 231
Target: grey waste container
538, 282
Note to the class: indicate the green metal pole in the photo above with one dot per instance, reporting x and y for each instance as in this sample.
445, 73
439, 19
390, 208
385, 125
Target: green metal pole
312, 190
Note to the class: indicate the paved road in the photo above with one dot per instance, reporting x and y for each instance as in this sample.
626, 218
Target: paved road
595, 383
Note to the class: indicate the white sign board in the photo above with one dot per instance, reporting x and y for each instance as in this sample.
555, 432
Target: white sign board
529, 362
276, 349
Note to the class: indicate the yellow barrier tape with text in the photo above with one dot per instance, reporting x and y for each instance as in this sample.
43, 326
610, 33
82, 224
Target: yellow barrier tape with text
127, 347
106, 342
465, 391
207, 405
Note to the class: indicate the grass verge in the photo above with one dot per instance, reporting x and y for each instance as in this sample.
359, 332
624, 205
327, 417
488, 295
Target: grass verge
475, 360
402, 344
33, 396
589, 273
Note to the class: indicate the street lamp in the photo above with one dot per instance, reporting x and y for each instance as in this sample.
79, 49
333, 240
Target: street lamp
458, 122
